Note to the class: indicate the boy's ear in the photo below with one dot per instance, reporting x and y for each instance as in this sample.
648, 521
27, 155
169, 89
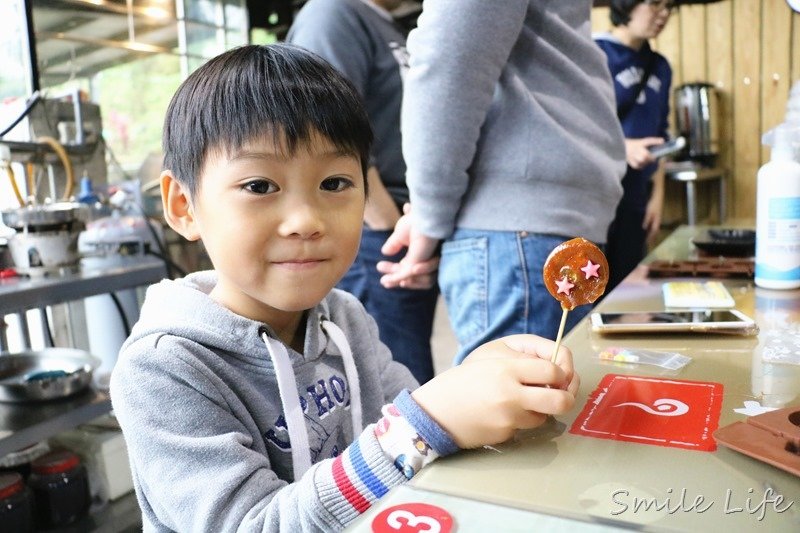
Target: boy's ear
178, 209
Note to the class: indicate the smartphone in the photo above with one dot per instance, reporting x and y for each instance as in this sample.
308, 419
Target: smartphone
667, 148
729, 321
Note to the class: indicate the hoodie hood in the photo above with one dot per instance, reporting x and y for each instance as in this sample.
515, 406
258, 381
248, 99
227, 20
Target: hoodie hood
216, 327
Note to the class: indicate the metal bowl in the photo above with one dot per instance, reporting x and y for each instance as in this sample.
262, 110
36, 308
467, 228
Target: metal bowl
47, 374
34, 217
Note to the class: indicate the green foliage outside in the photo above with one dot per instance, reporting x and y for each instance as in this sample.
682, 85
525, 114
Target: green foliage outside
133, 98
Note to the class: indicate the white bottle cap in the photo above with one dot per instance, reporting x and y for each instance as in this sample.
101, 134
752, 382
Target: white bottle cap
785, 142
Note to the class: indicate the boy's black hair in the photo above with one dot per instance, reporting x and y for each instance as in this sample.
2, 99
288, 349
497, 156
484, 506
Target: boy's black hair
621, 11
279, 90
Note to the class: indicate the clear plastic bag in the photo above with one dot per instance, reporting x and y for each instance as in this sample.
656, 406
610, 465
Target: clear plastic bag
638, 356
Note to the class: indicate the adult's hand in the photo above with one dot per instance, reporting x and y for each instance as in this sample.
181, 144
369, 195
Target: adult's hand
417, 269
636, 153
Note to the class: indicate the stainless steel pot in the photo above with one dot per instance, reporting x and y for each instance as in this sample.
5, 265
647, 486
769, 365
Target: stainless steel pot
46, 237
696, 107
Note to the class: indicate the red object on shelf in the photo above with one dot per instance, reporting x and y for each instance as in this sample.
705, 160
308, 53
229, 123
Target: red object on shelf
56, 462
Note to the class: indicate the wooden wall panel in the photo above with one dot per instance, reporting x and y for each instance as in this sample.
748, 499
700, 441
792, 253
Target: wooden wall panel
776, 65
719, 43
749, 50
746, 104
600, 20
692, 43
795, 47
669, 45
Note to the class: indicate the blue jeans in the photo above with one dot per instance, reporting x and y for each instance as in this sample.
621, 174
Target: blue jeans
404, 316
492, 284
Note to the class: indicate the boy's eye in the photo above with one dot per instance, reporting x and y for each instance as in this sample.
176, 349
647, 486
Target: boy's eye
336, 184
260, 186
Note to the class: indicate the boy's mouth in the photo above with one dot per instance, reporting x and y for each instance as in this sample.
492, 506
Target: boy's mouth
300, 263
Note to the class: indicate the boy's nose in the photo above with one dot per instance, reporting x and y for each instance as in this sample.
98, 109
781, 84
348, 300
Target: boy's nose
302, 220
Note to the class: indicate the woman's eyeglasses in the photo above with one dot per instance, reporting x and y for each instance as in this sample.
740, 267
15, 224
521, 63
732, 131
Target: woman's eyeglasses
658, 5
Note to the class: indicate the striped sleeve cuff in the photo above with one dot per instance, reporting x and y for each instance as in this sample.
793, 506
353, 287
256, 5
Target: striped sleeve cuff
353, 481
436, 437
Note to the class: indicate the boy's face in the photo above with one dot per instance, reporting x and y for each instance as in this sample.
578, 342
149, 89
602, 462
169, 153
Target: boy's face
281, 230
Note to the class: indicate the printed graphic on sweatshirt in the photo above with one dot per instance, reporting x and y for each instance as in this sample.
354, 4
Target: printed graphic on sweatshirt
632, 76
326, 406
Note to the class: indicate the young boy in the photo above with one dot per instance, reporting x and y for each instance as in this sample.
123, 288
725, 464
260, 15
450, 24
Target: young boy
242, 392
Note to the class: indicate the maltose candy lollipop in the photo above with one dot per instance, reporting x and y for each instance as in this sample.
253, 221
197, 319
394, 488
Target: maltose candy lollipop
575, 273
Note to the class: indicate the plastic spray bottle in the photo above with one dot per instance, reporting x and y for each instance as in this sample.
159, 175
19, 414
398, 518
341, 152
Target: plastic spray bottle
778, 211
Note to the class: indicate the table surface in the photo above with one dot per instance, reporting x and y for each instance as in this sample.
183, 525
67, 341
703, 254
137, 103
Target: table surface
553, 472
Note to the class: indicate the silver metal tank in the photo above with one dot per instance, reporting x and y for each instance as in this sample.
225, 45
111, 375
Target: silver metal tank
696, 118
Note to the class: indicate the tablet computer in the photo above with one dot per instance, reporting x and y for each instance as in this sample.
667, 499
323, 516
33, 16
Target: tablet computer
729, 321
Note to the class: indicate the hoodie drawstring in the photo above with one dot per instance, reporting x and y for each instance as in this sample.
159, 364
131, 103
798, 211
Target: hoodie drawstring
290, 399
350, 372
295, 421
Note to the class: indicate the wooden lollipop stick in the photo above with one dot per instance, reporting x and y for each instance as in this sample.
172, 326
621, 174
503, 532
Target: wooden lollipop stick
554, 359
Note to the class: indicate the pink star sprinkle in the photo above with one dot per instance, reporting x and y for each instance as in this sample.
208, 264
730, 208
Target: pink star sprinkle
591, 270
564, 285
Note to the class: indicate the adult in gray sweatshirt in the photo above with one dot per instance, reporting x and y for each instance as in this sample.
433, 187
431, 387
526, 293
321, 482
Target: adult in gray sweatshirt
512, 145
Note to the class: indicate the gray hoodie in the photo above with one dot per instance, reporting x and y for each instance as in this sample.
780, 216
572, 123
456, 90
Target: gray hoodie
196, 390
509, 120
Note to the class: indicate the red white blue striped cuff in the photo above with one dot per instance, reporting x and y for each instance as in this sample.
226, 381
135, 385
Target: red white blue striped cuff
349, 484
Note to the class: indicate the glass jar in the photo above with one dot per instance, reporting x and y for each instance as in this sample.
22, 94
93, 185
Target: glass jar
60, 487
16, 503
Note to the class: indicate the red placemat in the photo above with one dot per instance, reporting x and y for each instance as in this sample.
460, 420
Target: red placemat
661, 412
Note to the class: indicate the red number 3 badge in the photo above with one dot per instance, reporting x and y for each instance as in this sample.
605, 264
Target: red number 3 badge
413, 518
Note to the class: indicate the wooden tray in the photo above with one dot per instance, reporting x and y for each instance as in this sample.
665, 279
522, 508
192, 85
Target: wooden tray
711, 267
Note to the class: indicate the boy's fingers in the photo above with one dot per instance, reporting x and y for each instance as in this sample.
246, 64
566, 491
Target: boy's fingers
529, 344
547, 401
574, 385
533, 345
529, 420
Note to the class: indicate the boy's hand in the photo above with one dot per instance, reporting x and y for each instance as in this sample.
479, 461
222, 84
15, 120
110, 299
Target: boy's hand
504, 385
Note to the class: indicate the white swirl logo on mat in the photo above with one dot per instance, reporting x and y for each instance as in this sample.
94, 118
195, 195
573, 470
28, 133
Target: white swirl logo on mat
663, 407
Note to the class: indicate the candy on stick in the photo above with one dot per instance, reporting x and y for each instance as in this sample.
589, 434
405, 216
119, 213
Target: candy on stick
575, 273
